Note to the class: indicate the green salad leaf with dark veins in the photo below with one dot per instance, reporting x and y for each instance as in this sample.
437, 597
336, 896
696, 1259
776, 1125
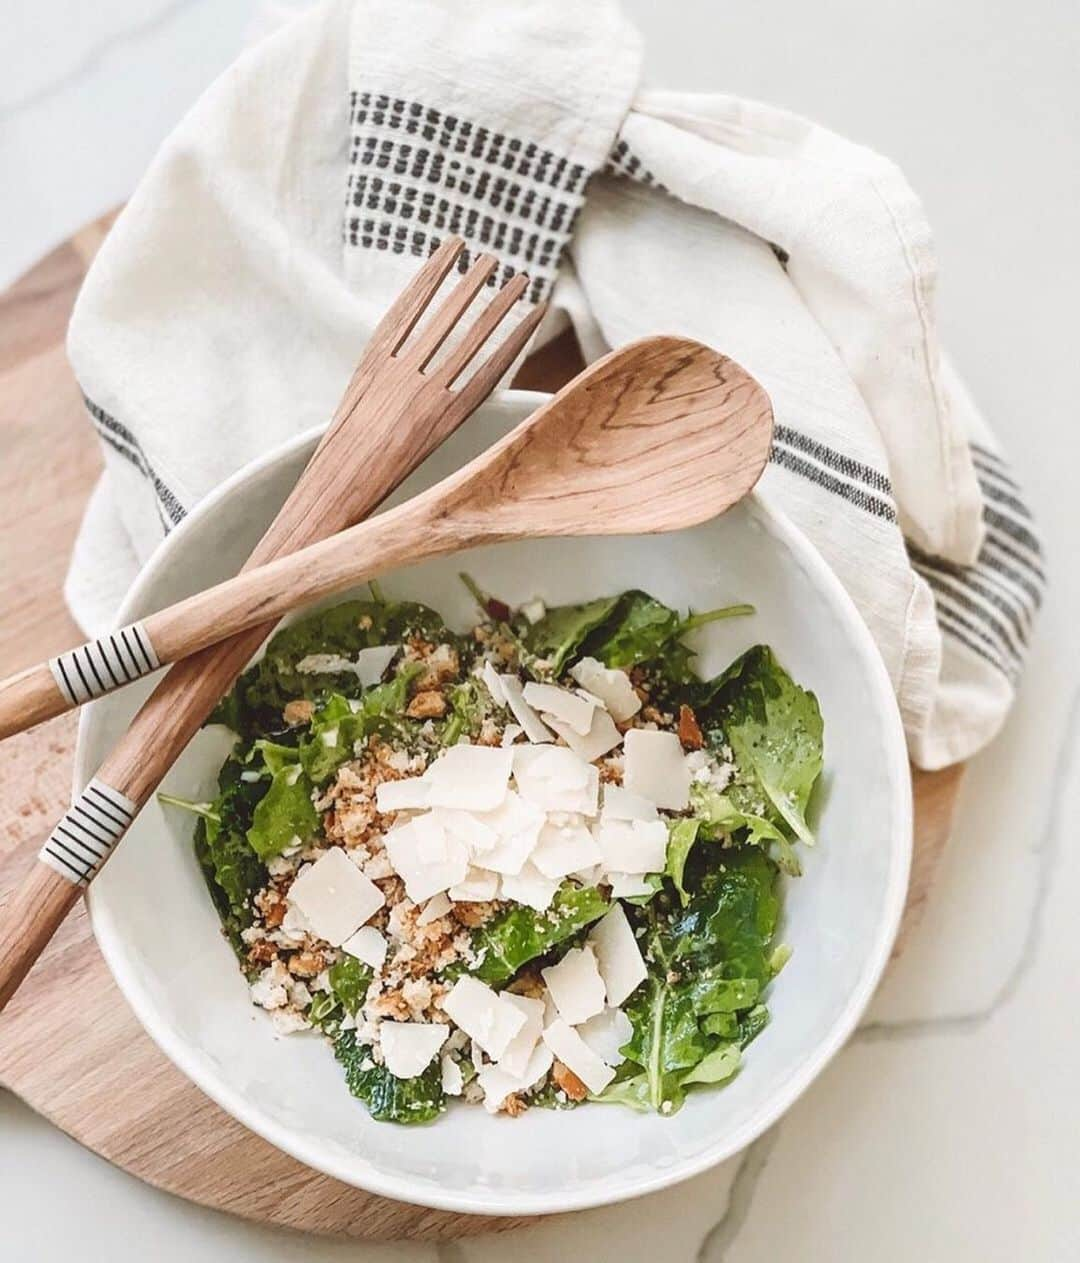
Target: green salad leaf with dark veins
519, 934
388, 1098
706, 959
775, 732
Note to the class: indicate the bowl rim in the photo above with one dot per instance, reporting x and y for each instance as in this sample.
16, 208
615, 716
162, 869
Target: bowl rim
110, 940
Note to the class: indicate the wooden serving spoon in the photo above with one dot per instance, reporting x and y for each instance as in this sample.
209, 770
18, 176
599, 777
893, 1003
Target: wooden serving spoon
660, 435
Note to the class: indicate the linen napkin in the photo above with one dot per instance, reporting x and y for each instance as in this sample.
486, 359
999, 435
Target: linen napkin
231, 299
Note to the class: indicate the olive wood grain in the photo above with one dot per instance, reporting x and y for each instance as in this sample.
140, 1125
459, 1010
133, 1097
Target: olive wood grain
69, 1045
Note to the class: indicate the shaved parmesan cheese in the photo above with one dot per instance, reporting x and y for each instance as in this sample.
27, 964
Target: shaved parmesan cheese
518, 1051
565, 848
467, 827
534, 610
556, 779
483, 1015
369, 667
425, 859
606, 1033
522, 711
477, 886
621, 804
575, 985
618, 956
561, 704
409, 794
453, 1081
498, 1085
494, 685
530, 887
368, 945
408, 1048
590, 876
601, 738
471, 777
610, 685
335, 897
629, 885
437, 906
510, 734
371, 663
577, 1056
633, 846
517, 826
656, 768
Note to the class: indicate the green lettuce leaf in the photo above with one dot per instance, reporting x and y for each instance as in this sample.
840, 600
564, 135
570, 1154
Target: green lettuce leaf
716, 1066
284, 814
558, 636
682, 834
519, 934
349, 981
340, 723
775, 732
642, 629
708, 961
389, 1099
233, 872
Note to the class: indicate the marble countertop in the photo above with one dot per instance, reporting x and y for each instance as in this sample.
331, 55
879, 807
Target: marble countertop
947, 1129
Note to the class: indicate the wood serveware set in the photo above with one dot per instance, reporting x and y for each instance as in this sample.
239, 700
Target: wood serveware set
106, 1083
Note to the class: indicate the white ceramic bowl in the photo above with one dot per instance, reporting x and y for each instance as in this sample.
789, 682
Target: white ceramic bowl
159, 933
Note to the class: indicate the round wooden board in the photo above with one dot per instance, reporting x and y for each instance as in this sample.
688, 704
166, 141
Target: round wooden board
69, 1046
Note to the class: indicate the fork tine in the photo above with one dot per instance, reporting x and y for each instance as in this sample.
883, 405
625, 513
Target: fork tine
484, 326
449, 312
400, 319
487, 376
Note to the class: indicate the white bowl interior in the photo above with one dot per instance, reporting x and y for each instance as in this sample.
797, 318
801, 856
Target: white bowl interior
159, 932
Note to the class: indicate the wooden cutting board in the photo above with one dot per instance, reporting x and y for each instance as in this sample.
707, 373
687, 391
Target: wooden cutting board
69, 1046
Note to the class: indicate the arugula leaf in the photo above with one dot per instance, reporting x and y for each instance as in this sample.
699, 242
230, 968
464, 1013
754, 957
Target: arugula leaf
720, 818
633, 1092
231, 869
711, 992
774, 729
338, 725
284, 814
558, 636
520, 934
469, 704
753, 1023
716, 1066
349, 981
255, 705
389, 1099
666, 1041
642, 629
708, 957
682, 834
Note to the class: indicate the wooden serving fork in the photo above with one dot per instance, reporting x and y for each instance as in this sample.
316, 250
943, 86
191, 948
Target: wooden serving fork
396, 409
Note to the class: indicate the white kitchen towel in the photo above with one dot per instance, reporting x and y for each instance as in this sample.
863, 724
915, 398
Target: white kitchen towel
229, 303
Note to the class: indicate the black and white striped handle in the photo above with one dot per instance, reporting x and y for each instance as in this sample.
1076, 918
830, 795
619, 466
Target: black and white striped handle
87, 832
75, 677
102, 665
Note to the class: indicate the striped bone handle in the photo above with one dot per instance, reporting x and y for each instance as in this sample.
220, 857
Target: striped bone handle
80, 843
75, 677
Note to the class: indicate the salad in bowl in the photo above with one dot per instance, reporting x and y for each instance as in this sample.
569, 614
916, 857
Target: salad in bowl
531, 865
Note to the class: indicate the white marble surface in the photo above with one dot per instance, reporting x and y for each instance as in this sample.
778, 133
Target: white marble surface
947, 1130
